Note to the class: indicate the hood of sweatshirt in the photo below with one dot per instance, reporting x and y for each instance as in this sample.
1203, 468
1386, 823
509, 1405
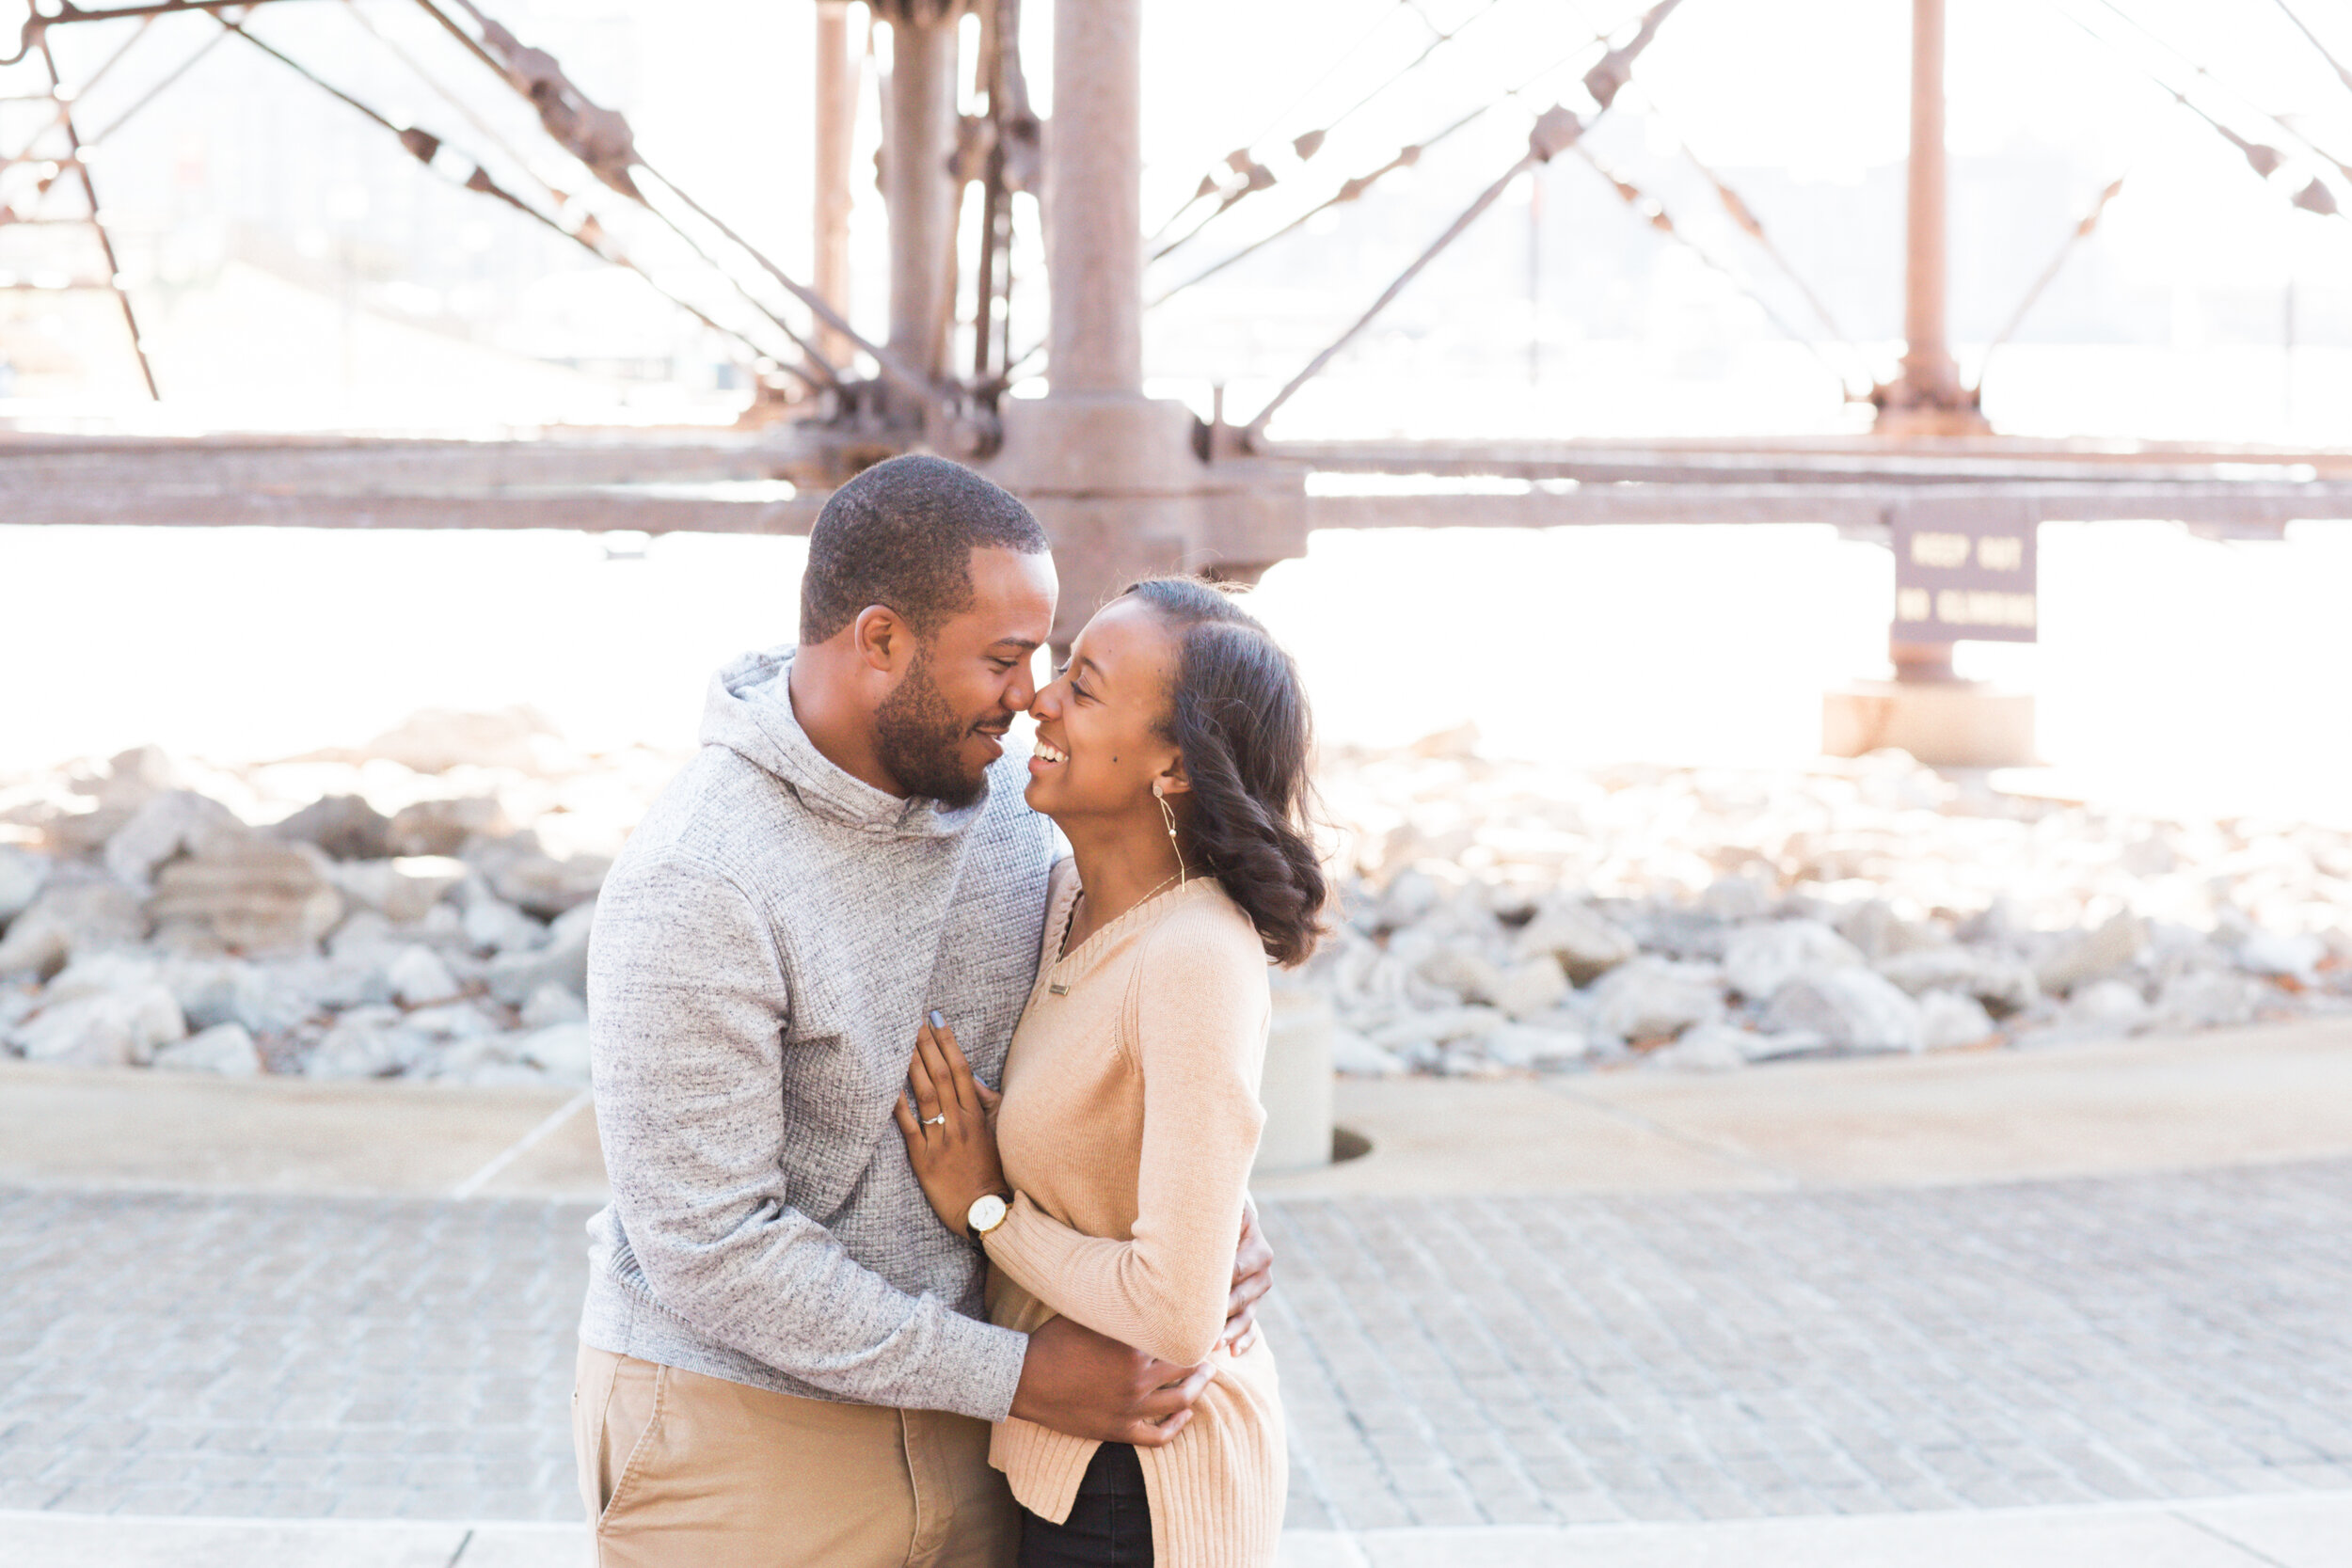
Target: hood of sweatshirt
749, 711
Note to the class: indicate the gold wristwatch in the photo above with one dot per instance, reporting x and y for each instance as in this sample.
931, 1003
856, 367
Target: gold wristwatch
987, 1212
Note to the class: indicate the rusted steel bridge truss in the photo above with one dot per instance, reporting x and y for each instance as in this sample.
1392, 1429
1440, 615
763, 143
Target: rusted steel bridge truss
1213, 497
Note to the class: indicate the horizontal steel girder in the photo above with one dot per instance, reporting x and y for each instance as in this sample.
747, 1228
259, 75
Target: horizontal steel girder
715, 483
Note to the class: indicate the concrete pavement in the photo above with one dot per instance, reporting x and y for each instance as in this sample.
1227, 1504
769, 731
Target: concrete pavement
109, 1130
2271, 1093
2265, 1532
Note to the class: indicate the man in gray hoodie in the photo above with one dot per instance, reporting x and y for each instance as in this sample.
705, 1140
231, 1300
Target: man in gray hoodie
784, 1357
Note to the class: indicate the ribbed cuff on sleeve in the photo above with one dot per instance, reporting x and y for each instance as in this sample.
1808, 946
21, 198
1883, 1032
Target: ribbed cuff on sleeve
1032, 1248
989, 1359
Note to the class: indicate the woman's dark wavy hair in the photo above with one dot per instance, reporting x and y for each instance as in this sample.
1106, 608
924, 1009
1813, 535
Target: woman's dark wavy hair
1238, 714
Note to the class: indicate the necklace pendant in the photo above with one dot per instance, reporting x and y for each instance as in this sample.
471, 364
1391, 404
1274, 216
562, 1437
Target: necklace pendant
1057, 988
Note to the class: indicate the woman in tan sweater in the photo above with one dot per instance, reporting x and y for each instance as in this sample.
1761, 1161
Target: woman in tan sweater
1107, 1183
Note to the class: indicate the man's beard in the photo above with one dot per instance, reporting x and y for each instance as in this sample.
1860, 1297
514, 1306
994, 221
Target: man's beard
917, 738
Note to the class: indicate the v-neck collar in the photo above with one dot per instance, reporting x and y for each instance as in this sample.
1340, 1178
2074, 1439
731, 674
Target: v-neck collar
1065, 972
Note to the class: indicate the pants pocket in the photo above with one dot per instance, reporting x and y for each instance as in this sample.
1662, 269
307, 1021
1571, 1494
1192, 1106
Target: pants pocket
630, 1434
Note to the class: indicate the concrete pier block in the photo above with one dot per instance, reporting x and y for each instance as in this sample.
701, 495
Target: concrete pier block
1942, 723
1296, 1088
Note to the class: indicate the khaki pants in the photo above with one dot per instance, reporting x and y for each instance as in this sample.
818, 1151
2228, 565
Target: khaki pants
679, 1470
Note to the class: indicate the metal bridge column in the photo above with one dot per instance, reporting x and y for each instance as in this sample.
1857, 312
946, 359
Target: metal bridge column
1094, 166
1927, 397
1121, 481
1926, 709
919, 140
836, 85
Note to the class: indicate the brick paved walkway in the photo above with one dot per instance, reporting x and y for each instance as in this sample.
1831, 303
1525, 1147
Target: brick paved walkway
266, 1356
1454, 1361
1530, 1361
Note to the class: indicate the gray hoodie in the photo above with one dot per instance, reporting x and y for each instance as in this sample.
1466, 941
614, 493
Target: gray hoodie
763, 953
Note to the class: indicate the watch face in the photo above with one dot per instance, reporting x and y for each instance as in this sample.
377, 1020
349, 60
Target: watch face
987, 1212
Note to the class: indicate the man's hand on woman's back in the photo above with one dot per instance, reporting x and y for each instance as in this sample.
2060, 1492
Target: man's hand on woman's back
1076, 1380
1253, 1276
1087, 1384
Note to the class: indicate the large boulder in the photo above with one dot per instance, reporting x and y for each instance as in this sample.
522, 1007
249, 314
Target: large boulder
402, 890
259, 998
1874, 928
254, 895
1852, 1008
1738, 898
2296, 956
69, 919
114, 1028
368, 1042
1535, 1047
1409, 897
1583, 942
434, 740
132, 779
22, 875
226, 1050
564, 961
1762, 958
417, 977
492, 925
1647, 999
452, 1021
561, 1051
1456, 968
1705, 1048
1695, 936
1353, 1056
2209, 999
2002, 983
1436, 1027
2080, 960
1533, 988
344, 826
552, 1003
2107, 1007
177, 822
96, 974
1949, 1019
444, 826
526, 876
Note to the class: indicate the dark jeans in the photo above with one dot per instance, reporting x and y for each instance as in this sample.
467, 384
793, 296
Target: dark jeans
1110, 1522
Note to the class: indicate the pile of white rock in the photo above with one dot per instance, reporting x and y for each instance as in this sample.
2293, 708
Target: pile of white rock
1506, 918
419, 908
144, 922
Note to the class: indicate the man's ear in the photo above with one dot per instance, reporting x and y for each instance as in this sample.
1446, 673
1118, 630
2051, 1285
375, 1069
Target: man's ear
884, 643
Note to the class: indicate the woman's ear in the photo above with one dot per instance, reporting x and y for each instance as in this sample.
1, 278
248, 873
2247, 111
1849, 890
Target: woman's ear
1170, 781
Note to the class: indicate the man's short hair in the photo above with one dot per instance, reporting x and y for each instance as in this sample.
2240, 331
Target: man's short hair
901, 535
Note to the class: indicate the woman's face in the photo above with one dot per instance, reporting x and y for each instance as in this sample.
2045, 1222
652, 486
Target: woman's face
1099, 745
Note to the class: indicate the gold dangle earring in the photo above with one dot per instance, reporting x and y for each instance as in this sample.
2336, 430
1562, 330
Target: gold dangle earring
1169, 815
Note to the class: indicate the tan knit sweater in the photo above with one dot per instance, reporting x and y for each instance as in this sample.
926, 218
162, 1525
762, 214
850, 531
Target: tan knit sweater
1129, 1124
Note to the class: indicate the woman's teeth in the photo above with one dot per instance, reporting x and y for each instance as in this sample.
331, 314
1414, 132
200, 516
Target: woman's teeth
1052, 753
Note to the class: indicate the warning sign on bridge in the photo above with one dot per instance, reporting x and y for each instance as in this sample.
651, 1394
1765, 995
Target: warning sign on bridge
1964, 570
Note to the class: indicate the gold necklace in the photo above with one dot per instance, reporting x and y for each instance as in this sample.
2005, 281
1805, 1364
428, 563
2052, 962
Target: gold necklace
1064, 991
